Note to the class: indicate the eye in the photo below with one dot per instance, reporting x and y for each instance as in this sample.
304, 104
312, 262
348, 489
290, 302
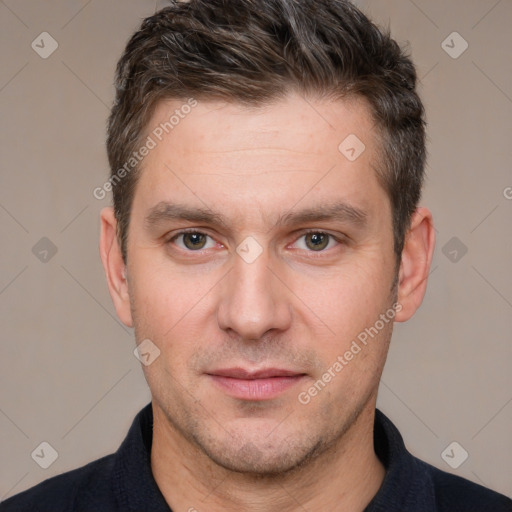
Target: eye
316, 241
193, 240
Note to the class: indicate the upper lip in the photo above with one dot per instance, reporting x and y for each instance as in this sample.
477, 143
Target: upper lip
241, 373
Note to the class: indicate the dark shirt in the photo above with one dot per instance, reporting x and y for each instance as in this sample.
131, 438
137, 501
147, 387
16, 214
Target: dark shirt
123, 481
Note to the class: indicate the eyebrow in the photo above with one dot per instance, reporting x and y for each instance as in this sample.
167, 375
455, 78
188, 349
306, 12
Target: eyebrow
342, 212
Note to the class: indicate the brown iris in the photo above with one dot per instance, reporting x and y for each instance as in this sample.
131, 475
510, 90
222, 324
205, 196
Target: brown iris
317, 241
194, 240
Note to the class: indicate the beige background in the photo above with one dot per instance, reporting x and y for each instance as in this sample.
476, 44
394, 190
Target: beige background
67, 372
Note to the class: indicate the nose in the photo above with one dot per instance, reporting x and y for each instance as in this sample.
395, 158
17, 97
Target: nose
253, 300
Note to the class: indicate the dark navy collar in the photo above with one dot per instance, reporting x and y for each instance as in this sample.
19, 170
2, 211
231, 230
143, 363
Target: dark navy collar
408, 483
133, 484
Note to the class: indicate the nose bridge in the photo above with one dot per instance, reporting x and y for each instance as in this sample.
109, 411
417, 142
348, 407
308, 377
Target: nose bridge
253, 300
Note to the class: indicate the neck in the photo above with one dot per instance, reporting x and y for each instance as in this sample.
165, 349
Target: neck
344, 477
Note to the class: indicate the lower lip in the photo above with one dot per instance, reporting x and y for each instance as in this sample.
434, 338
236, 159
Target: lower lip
256, 389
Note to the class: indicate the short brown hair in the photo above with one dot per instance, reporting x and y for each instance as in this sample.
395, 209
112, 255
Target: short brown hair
256, 51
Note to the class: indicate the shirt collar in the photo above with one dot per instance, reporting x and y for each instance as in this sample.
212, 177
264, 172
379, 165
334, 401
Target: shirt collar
407, 484
132, 479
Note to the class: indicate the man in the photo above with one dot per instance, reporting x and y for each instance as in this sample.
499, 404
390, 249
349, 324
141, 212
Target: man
266, 166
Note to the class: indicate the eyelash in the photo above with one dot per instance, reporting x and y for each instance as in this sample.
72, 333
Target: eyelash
303, 234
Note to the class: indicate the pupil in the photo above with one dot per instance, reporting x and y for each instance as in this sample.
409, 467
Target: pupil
318, 241
194, 240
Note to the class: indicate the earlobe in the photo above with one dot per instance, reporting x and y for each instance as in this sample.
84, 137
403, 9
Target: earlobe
113, 264
415, 263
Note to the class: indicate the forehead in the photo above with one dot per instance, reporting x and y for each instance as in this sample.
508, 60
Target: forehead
310, 126
270, 157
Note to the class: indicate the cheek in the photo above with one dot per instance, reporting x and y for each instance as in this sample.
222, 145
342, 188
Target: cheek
346, 299
158, 299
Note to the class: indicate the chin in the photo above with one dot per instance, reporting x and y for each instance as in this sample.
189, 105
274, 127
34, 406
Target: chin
262, 458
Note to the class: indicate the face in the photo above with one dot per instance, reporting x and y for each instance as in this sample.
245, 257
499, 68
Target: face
259, 255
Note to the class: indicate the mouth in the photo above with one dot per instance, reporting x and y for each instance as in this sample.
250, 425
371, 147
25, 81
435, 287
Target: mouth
257, 385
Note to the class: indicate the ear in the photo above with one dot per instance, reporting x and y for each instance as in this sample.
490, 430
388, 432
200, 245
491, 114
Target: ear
115, 269
415, 264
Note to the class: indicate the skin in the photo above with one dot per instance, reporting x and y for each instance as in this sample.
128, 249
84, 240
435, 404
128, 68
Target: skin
294, 307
